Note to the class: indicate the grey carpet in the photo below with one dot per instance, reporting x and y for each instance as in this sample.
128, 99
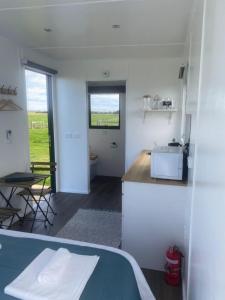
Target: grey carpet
94, 226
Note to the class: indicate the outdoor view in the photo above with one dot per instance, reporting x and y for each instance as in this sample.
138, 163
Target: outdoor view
104, 110
37, 115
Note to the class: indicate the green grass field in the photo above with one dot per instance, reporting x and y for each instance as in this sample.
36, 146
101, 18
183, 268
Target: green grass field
39, 141
104, 119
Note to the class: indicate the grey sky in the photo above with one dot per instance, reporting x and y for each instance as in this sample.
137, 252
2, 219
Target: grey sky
105, 102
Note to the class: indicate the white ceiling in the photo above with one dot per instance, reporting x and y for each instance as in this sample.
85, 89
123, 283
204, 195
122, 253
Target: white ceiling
83, 28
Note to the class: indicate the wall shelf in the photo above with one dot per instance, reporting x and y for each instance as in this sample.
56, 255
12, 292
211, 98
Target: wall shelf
166, 110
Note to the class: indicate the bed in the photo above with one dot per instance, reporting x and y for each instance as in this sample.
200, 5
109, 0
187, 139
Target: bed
117, 276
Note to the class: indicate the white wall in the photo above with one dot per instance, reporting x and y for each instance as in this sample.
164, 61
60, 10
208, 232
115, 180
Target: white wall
193, 55
154, 76
14, 156
111, 160
207, 243
72, 129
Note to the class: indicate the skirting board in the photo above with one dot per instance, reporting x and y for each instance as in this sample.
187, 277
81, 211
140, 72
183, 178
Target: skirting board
184, 290
74, 191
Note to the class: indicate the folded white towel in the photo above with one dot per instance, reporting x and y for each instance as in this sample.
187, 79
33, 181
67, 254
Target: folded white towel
55, 268
72, 283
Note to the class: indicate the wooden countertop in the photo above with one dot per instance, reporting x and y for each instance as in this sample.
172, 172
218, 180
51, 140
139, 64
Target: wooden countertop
93, 156
140, 172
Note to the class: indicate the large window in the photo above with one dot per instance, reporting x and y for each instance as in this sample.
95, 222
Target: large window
104, 111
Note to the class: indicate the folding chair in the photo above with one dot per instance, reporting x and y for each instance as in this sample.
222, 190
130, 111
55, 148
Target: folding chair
40, 193
5, 214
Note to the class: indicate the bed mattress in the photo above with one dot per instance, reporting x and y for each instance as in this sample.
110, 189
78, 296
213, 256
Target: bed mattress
116, 276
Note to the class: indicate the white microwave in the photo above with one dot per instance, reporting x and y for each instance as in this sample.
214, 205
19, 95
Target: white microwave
167, 163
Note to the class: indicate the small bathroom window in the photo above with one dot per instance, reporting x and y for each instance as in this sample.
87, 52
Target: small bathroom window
104, 110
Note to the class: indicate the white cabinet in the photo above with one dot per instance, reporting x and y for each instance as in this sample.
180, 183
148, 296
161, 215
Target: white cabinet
153, 219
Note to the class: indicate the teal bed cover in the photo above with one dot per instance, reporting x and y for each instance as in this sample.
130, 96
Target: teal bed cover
112, 279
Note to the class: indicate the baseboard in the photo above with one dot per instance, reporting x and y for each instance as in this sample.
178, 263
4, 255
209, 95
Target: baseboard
184, 290
74, 191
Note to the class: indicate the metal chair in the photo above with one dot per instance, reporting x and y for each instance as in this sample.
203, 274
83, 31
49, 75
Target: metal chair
40, 193
5, 214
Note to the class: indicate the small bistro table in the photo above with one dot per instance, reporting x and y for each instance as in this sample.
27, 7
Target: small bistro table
27, 186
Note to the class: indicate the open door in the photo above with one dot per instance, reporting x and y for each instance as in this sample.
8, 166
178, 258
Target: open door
40, 116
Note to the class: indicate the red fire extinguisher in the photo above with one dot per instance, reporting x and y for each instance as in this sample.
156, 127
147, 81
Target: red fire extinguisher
173, 266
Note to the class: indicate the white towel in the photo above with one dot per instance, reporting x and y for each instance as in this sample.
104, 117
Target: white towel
27, 287
55, 268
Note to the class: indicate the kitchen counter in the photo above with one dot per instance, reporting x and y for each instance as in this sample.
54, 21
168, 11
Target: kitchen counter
140, 172
153, 214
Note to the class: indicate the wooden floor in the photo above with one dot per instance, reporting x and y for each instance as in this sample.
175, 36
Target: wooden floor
106, 195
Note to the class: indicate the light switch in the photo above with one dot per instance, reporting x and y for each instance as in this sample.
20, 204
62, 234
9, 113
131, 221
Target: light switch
68, 135
72, 135
76, 135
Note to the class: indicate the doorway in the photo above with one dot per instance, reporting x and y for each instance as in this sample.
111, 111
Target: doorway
40, 119
106, 113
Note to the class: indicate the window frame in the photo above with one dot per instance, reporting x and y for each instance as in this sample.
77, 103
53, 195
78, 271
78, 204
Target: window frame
89, 112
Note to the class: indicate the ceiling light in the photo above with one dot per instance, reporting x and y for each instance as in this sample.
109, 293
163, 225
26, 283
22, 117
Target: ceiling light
47, 29
116, 26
